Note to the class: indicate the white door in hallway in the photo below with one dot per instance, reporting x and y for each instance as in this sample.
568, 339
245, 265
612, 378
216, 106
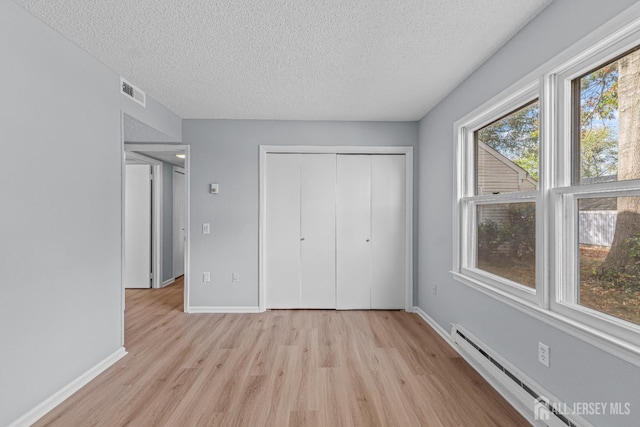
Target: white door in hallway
179, 221
137, 227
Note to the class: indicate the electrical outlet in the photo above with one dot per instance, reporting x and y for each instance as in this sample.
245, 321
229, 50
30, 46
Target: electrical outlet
435, 290
543, 354
206, 228
206, 276
235, 277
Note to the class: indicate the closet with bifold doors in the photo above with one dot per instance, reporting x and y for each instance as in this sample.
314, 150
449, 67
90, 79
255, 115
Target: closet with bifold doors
334, 232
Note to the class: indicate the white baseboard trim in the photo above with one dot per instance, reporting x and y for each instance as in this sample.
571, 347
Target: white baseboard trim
167, 282
61, 395
492, 380
435, 326
223, 309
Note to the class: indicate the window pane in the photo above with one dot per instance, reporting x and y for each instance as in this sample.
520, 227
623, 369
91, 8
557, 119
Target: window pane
609, 238
507, 241
609, 118
507, 153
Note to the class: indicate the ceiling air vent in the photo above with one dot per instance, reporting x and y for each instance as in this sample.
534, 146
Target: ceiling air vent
130, 91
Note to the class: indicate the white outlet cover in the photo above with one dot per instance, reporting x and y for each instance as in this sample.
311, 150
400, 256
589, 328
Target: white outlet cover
543, 354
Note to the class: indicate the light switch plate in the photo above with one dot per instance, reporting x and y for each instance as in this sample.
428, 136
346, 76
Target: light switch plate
215, 188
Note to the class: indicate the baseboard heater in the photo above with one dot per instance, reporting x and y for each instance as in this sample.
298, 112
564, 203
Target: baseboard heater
532, 397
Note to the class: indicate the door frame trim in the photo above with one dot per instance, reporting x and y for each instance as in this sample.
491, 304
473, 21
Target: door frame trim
303, 149
176, 169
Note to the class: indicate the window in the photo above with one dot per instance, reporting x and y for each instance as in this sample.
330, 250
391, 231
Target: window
501, 191
609, 255
506, 237
601, 279
547, 214
507, 153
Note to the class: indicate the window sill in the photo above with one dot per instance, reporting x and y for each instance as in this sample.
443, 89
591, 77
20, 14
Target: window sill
613, 345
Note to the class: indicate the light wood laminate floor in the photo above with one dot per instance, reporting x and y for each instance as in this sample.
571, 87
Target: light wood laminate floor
281, 368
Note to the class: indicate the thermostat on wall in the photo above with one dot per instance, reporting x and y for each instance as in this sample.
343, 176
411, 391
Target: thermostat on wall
215, 188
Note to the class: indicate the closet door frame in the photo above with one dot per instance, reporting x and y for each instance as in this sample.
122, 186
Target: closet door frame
407, 151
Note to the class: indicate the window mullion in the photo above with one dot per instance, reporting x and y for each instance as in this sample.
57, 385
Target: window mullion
545, 238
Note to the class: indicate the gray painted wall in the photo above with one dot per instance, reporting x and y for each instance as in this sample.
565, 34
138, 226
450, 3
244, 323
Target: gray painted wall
579, 372
136, 132
226, 152
60, 246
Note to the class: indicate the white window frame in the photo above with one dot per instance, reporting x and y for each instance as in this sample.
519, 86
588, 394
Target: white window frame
556, 198
565, 195
468, 201
566, 286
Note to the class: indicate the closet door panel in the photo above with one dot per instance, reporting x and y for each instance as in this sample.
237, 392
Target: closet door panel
353, 231
388, 204
318, 230
283, 231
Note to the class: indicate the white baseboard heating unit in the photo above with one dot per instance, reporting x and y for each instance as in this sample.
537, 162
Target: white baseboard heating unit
521, 391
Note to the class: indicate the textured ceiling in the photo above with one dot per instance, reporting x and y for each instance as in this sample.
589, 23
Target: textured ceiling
291, 59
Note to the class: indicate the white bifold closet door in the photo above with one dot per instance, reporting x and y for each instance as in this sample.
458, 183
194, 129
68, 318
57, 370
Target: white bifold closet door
388, 219
318, 230
353, 232
300, 230
370, 231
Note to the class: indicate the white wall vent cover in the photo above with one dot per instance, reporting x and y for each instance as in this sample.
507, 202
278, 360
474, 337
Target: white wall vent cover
132, 92
530, 395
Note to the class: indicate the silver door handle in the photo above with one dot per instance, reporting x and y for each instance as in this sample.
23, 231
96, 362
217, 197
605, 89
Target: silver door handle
302, 238
368, 240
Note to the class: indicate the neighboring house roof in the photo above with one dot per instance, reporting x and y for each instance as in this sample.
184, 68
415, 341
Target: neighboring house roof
523, 178
497, 181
